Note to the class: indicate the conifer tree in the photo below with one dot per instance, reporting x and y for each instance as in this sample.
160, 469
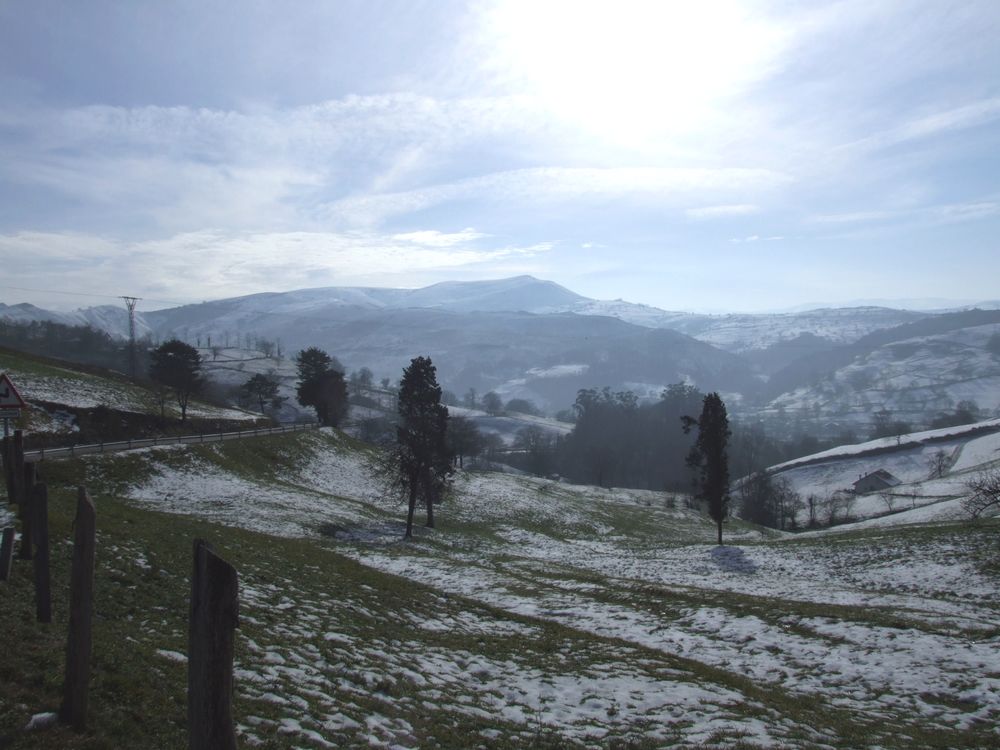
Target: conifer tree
321, 385
178, 366
422, 458
709, 456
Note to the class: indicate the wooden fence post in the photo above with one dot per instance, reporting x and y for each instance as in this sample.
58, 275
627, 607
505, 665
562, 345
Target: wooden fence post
24, 488
40, 532
8, 468
81, 609
6, 552
214, 614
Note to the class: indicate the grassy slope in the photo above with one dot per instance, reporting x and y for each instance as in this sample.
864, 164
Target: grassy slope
334, 652
44, 379
138, 695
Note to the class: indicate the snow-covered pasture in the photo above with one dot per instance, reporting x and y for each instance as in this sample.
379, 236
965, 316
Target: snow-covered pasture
37, 382
914, 379
773, 638
925, 493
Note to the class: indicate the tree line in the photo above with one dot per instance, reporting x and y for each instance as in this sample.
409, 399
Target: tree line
615, 441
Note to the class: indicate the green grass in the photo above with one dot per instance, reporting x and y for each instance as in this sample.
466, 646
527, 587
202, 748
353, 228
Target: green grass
138, 697
297, 591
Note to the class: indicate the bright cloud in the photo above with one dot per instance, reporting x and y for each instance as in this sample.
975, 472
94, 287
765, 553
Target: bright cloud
609, 144
714, 212
209, 265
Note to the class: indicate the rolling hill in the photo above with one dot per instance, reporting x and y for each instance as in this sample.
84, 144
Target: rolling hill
821, 371
536, 614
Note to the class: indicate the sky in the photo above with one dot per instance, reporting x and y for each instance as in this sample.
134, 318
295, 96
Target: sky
709, 156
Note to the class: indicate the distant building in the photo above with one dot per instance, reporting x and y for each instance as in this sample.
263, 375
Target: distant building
876, 481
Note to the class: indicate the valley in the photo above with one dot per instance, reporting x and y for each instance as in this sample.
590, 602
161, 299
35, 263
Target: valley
819, 372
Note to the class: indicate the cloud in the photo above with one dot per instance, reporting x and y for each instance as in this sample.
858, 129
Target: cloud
184, 169
921, 215
209, 265
757, 238
852, 217
929, 125
434, 238
714, 212
561, 184
965, 211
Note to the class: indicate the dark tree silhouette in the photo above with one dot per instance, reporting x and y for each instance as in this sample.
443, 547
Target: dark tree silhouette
321, 385
619, 442
331, 398
464, 439
492, 404
178, 366
262, 389
422, 458
709, 456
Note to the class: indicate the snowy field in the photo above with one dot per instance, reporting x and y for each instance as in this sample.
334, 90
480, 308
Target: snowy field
72, 388
922, 496
891, 633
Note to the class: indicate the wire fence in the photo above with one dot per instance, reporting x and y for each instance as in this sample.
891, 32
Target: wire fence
126, 445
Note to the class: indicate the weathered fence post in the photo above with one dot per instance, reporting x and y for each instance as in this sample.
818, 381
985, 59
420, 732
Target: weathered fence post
214, 614
8, 468
6, 552
40, 533
81, 609
23, 489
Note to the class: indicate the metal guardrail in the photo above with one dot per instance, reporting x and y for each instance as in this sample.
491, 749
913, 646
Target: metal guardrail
126, 445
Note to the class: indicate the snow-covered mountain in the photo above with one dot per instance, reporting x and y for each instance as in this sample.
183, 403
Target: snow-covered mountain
526, 337
109, 318
735, 332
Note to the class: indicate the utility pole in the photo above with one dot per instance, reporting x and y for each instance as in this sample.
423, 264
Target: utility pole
130, 304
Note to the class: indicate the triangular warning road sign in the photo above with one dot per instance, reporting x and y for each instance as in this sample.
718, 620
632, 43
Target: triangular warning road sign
9, 397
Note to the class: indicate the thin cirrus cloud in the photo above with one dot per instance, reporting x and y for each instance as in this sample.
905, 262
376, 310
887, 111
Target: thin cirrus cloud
921, 215
927, 125
562, 184
719, 212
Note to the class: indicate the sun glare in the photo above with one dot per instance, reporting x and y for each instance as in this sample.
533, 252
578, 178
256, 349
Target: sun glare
630, 70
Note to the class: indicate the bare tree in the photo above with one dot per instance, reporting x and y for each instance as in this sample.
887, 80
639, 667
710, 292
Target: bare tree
813, 503
984, 493
938, 463
888, 498
839, 506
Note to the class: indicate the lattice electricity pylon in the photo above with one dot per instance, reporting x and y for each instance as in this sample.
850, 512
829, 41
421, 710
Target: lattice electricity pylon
130, 304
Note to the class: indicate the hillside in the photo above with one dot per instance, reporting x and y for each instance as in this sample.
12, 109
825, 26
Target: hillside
555, 615
65, 398
499, 334
546, 358
914, 377
820, 371
932, 466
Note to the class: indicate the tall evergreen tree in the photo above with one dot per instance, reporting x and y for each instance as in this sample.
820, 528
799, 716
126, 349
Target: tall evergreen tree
321, 385
709, 456
178, 366
422, 458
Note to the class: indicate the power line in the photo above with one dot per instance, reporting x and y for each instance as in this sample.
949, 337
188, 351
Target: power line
92, 294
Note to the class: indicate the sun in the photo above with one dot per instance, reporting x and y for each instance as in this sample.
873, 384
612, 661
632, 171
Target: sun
630, 70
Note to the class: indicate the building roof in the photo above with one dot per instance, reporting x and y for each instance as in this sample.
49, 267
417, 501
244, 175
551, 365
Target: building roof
879, 476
